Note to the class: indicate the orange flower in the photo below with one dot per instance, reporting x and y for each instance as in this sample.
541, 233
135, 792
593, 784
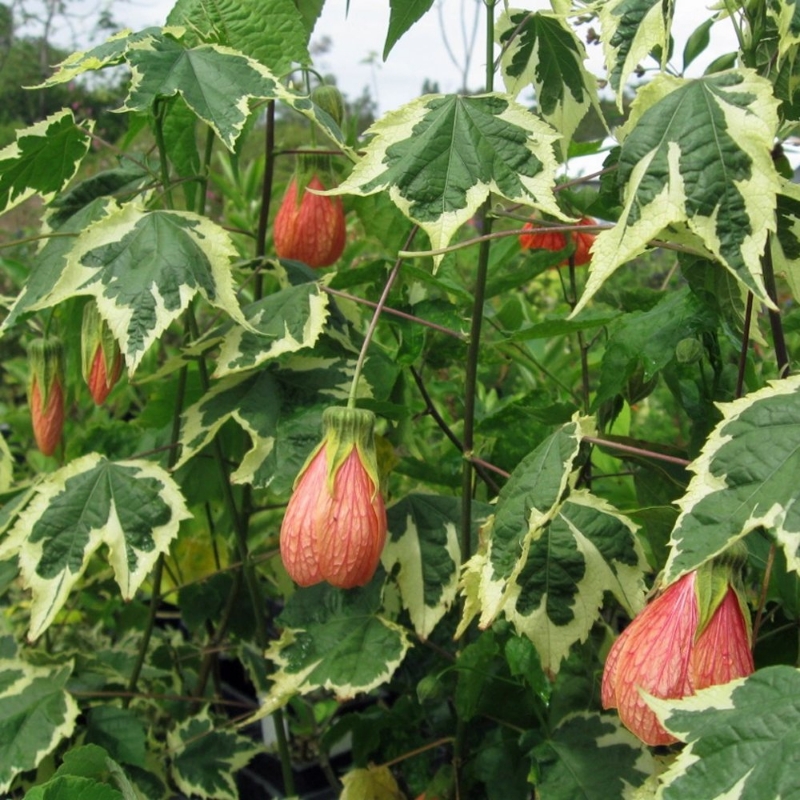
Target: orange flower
541, 238
311, 227
46, 392
334, 528
671, 652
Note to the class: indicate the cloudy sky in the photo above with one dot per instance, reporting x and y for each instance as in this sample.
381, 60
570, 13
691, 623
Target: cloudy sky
357, 38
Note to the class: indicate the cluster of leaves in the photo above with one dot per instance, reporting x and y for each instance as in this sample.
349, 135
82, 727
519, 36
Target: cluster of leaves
548, 441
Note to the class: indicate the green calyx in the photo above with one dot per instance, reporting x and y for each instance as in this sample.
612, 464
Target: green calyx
345, 428
330, 100
46, 364
96, 333
715, 578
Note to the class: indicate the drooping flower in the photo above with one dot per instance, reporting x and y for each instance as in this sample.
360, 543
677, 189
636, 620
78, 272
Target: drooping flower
541, 238
46, 392
101, 359
334, 528
695, 634
309, 227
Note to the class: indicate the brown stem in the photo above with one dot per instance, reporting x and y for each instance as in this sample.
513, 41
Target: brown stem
778, 339
639, 451
748, 314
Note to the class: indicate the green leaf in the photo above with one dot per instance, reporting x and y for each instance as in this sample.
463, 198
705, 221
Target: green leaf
6, 466
545, 52
143, 268
36, 714
43, 159
441, 155
697, 42
110, 53
786, 245
631, 30
683, 137
180, 142
404, 14
647, 340
270, 31
216, 82
423, 540
745, 477
588, 548
591, 757
133, 507
743, 738
205, 760
474, 666
119, 732
66, 787
333, 639
50, 261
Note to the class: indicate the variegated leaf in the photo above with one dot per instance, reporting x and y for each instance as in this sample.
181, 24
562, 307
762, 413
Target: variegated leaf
786, 244
333, 639
205, 761
133, 507
786, 14
592, 757
50, 261
526, 503
284, 322
108, 54
696, 152
586, 549
143, 268
216, 82
441, 155
631, 30
36, 714
423, 540
745, 478
253, 400
742, 739
43, 159
543, 51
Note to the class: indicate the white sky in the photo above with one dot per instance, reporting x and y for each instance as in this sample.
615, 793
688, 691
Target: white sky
357, 40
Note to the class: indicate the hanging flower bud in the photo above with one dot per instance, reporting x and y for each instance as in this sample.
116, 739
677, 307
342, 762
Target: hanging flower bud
46, 392
334, 528
309, 227
330, 100
101, 359
695, 634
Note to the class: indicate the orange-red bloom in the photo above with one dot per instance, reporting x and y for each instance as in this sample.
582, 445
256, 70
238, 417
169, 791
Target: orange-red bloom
670, 653
310, 228
334, 528
541, 238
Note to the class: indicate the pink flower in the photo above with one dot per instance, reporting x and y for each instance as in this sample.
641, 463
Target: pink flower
668, 652
334, 528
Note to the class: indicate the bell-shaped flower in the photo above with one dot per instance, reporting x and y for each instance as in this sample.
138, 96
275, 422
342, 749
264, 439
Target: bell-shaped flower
693, 635
334, 528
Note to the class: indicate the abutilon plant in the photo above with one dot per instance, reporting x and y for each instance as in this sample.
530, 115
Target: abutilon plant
694, 634
46, 391
101, 358
334, 528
